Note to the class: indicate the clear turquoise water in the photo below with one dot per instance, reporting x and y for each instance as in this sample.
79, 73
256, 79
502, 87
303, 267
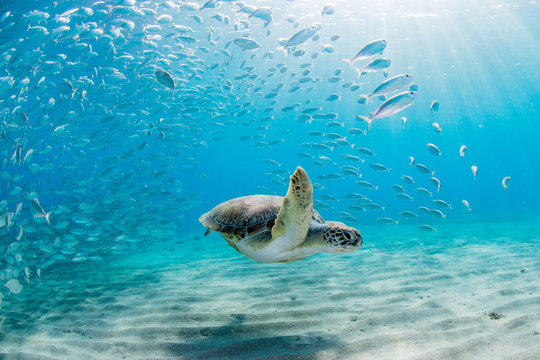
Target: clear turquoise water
123, 167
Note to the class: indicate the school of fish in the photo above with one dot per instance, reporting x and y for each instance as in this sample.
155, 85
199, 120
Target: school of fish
90, 91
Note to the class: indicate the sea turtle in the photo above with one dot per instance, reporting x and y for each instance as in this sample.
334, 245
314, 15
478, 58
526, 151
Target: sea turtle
271, 229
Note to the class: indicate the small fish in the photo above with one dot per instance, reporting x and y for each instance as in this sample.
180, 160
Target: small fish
271, 162
389, 86
366, 184
422, 191
333, 97
407, 179
351, 158
355, 196
373, 206
424, 169
437, 213
379, 167
403, 196
408, 214
433, 149
350, 172
424, 210
333, 136
317, 146
366, 151
403, 121
434, 106
437, 127
411, 161
427, 228
356, 131
304, 155
165, 79
246, 44
328, 10
374, 66
390, 107
474, 170
506, 182
466, 204
299, 37
398, 188
462, 151
335, 124
442, 204
372, 48
436, 182
387, 220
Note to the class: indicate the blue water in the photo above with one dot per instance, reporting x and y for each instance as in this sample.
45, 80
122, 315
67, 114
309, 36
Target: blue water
102, 163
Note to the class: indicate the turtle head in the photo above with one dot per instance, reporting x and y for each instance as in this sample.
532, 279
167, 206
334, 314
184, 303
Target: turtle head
340, 238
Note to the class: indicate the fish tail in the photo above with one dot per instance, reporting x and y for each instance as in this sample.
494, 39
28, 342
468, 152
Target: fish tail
367, 119
366, 98
350, 61
282, 48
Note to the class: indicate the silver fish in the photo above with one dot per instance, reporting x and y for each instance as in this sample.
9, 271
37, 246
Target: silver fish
408, 214
374, 66
366, 184
379, 167
246, 43
424, 169
433, 149
403, 196
389, 86
391, 106
426, 228
372, 48
165, 79
387, 220
300, 37
407, 179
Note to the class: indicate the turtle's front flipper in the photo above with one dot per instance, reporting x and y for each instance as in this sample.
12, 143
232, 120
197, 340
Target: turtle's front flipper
294, 217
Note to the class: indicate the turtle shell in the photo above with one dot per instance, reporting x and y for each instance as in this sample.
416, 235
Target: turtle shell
246, 215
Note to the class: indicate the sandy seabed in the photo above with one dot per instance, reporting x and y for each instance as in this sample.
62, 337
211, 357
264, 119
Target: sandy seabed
404, 295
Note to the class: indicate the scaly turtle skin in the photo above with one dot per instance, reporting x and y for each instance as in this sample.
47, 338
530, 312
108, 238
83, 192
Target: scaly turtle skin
269, 228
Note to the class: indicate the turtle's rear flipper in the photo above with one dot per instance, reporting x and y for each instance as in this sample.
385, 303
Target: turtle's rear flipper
295, 215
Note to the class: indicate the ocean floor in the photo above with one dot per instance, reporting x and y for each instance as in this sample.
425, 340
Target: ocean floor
467, 291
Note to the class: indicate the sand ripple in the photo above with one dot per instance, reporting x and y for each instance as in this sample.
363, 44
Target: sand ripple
430, 299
